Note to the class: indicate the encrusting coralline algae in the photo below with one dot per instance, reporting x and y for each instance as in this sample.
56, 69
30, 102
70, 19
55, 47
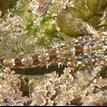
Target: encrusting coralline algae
73, 87
83, 77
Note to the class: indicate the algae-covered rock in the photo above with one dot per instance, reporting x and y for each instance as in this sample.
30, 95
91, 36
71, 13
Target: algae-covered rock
6, 4
72, 22
83, 16
96, 6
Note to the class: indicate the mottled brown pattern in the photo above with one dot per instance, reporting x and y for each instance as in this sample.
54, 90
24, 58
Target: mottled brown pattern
86, 50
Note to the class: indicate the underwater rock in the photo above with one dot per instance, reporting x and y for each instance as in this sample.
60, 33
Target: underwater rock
6, 4
71, 21
83, 17
96, 6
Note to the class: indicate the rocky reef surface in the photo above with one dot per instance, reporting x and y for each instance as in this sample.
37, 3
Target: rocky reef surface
69, 34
